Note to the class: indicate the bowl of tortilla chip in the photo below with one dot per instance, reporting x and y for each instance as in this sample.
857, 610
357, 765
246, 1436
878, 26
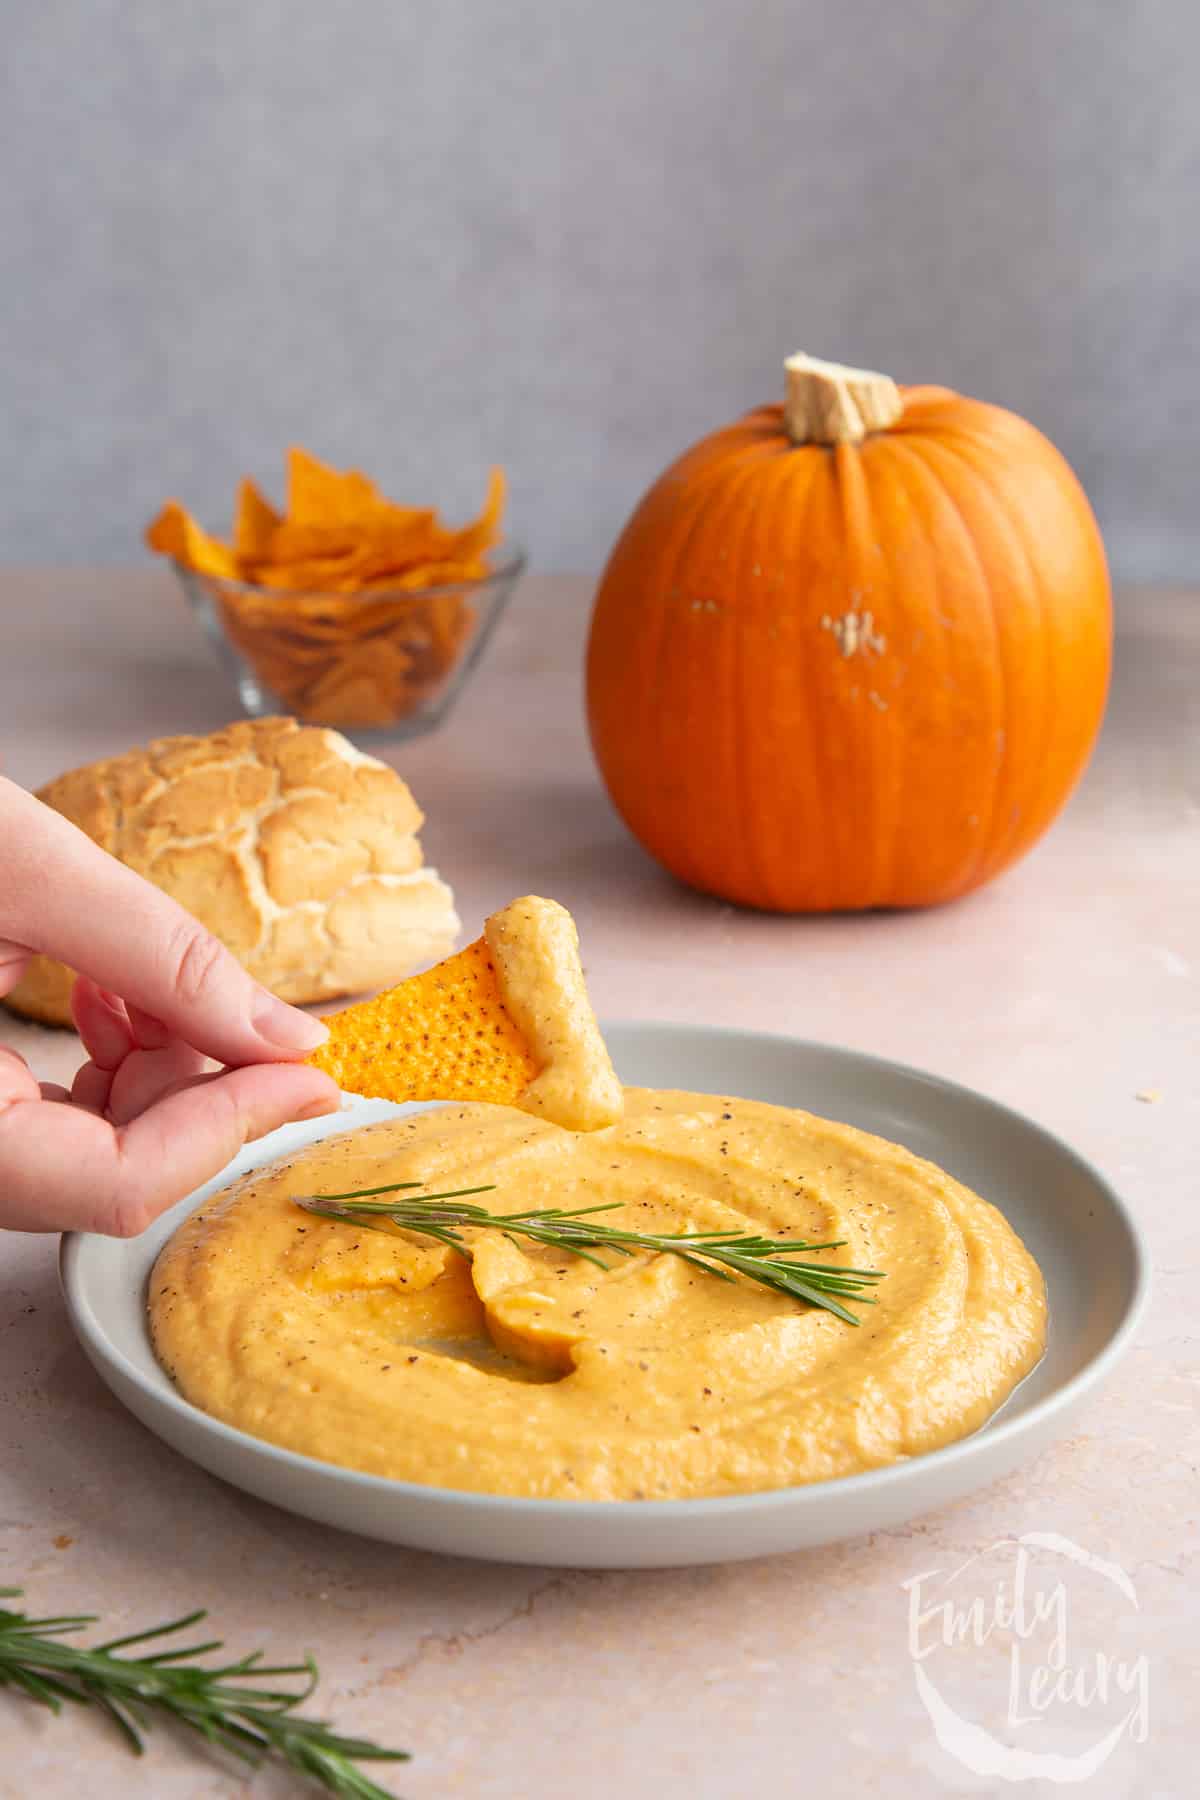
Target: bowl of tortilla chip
345, 609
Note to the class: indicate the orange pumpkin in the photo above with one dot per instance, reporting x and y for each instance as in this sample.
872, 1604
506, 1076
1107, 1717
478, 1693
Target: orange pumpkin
851, 651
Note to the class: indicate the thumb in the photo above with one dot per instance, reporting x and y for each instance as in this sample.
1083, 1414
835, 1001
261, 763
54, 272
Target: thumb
65, 1169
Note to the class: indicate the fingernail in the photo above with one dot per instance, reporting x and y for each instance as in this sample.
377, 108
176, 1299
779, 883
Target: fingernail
283, 1026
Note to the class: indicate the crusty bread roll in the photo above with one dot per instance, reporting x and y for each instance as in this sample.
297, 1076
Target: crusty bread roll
296, 850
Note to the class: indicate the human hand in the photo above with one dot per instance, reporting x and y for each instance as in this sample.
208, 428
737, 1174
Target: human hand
146, 1120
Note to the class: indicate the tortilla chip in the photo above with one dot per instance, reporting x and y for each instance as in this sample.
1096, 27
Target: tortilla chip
319, 495
255, 522
474, 539
175, 533
442, 1035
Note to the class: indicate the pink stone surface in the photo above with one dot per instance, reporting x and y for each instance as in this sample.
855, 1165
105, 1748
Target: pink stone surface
1065, 989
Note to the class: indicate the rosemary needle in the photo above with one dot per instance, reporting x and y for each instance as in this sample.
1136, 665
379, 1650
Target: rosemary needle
235, 1706
772, 1262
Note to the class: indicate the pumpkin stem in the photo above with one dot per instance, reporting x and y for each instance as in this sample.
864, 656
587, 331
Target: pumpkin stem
827, 403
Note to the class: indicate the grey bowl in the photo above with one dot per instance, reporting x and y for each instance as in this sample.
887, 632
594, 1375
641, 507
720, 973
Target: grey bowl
1077, 1227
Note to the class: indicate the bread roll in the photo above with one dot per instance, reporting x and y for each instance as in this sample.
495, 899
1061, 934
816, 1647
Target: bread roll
296, 850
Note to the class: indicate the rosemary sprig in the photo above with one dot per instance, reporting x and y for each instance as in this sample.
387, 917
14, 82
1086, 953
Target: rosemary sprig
769, 1261
229, 1704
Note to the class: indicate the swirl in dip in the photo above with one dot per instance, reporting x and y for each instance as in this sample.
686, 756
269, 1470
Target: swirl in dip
530, 1372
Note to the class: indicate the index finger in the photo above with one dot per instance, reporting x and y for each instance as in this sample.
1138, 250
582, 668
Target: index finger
64, 896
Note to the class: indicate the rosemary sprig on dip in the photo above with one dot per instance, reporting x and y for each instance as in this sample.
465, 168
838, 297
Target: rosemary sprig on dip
235, 1706
726, 1254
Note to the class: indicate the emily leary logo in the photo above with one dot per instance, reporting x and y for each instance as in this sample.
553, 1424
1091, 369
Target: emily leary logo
1055, 1709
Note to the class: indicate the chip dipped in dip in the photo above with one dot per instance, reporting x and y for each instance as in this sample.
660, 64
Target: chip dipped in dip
530, 1371
508, 1019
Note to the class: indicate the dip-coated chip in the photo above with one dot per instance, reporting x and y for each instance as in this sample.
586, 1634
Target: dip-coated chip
506, 1020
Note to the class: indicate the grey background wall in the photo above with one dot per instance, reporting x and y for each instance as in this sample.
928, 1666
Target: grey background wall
571, 235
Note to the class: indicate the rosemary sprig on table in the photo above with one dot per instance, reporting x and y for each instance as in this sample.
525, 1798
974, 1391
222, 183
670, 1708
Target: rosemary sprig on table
768, 1261
235, 1706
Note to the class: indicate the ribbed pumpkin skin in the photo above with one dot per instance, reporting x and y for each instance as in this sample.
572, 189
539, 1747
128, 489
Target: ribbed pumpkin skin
758, 760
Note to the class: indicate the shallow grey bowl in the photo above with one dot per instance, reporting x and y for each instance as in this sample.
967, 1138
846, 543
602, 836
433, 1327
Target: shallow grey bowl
1074, 1223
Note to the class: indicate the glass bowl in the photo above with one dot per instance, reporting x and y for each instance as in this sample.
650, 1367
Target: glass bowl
389, 662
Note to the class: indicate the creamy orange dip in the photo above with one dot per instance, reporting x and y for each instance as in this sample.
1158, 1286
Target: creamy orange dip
529, 1372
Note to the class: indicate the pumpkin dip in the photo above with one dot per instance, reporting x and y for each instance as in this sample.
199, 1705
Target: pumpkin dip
532, 1372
